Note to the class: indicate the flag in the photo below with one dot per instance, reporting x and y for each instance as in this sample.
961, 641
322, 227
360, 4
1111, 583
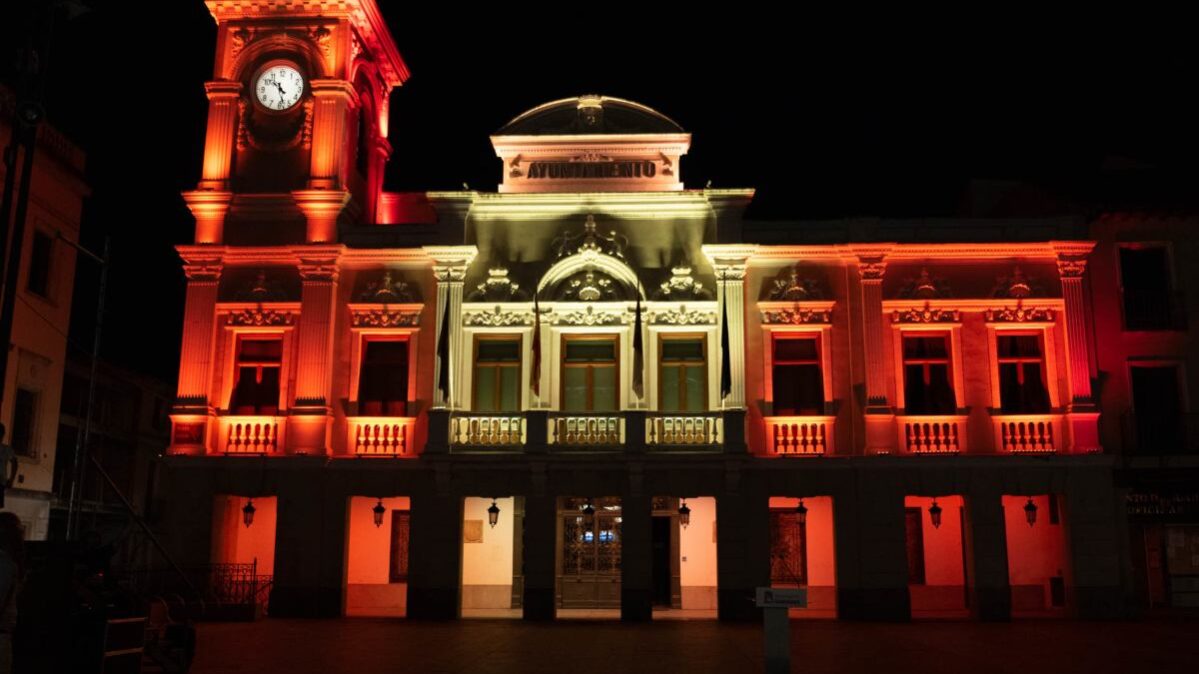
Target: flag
535, 371
726, 366
443, 352
638, 352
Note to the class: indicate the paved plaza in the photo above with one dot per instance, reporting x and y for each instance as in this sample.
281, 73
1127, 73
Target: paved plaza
370, 646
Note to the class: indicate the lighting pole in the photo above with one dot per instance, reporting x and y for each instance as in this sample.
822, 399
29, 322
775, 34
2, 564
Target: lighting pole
78, 465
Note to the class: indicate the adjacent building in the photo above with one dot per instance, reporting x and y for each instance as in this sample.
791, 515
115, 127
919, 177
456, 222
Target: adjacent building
597, 389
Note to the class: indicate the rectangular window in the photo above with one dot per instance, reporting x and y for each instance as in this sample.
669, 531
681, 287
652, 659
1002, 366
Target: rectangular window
497, 375
1157, 406
926, 376
797, 380
682, 380
383, 379
589, 375
24, 423
40, 258
1022, 375
1147, 290
257, 389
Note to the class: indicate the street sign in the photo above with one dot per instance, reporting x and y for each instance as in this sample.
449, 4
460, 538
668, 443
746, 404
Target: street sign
773, 597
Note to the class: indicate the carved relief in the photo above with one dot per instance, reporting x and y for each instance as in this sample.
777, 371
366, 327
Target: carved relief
872, 268
322, 37
682, 286
203, 270
318, 270
497, 288
387, 290
590, 316
789, 287
682, 316
1072, 266
797, 316
925, 287
384, 318
261, 317
1017, 286
497, 318
927, 314
611, 244
262, 289
589, 286
1020, 314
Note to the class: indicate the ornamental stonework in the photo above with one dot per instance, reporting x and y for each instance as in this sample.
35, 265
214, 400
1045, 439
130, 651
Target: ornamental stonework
261, 317
797, 316
1072, 266
497, 318
591, 317
384, 318
682, 316
926, 314
1020, 314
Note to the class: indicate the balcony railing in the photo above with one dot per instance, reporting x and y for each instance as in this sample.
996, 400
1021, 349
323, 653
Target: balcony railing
478, 430
380, 436
251, 435
586, 429
1028, 433
941, 434
684, 429
800, 436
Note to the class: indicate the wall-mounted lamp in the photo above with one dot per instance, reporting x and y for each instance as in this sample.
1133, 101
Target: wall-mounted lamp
493, 513
684, 514
1030, 512
247, 512
378, 511
801, 512
934, 514
589, 514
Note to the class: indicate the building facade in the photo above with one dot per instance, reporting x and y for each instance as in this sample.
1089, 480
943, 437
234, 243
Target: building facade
596, 389
41, 317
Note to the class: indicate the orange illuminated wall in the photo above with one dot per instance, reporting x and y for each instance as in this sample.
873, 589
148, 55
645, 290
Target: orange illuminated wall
235, 543
821, 559
943, 593
697, 556
1036, 555
369, 590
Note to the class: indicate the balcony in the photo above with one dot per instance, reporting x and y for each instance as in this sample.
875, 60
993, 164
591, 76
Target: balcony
1028, 433
483, 431
380, 436
684, 430
800, 436
586, 430
932, 434
250, 435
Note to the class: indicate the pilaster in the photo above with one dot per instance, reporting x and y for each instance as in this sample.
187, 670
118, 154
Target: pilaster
879, 415
333, 100
449, 268
986, 556
223, 102
541, 514
192, 408
636, 558
742, 552
1082, 413
729, 262
308, 427
435, 557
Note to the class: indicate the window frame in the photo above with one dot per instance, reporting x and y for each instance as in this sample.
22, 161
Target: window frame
822, 333
478, 338
953, 335
616, 338
1184, 401
662, 338
1172, 299
229, 348
358, 340
238, 337
1046, 333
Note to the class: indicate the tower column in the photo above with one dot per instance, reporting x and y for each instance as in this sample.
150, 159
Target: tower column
1082, 413
879, 415
308, 425
209, 202
192, 409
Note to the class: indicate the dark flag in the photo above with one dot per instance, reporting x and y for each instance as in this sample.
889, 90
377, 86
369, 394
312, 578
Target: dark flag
638, 352
443, 352
535, 371
726, 366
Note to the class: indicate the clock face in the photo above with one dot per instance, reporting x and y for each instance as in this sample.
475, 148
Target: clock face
279, 87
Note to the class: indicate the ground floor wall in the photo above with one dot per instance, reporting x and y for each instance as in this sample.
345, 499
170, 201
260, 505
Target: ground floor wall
323, 509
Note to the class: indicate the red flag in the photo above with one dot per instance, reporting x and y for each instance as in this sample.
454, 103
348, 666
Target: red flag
535, 375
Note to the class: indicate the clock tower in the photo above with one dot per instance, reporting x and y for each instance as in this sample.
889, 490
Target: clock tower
297, 121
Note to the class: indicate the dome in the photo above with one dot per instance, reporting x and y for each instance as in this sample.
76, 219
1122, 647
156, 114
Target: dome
586, 115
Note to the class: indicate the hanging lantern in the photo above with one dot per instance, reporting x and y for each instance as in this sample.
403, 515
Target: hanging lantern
684, 514
802, 512
493, 514
588, 515
378, 511
1030, 512
934, 514
247, 513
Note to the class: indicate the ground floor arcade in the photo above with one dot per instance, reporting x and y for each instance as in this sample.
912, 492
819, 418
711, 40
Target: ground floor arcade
659, 537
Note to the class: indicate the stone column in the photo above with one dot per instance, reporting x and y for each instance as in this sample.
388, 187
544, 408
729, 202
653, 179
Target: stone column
636, 558
729, 263
435, 555
308, 425
209, 202
310, 539
540, 556
742, 552
879, 415
330, 112
1082, 413
1093, 515
985, 538
193, 410
449, 268
869, 532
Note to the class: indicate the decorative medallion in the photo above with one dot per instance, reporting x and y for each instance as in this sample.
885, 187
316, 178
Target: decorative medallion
789, 287
1017, 286
590, 241
498, 318
927, 314
1020, 314
589, 286
261, 317
797, 316
384, 318
497, 288
386, 290
682, 286
925, 287
589, 316
682, 316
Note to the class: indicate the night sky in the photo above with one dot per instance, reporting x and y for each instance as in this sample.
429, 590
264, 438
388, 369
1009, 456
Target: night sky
826, 119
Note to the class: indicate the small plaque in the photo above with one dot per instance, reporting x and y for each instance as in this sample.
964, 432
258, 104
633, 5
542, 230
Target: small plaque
472, 531
774, 597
